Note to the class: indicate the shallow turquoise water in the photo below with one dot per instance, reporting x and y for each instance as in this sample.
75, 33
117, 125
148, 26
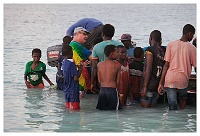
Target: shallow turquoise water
44, 110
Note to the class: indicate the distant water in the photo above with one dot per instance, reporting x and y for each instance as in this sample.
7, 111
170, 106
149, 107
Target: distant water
28, 26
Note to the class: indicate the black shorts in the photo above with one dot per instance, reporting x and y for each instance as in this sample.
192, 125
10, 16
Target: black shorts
108, 99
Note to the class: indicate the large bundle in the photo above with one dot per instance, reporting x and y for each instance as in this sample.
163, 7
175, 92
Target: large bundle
52, 55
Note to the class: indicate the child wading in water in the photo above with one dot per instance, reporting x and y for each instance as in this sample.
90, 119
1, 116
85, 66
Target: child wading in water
108, 76
136, 72
123, 86
153, 66
71, 76
59, 74
35, 70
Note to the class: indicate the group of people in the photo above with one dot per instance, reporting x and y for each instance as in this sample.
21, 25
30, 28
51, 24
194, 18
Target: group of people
90, 60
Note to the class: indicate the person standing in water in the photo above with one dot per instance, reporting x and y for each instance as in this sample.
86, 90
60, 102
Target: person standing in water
98, 54
59, 74
35, 70
124, 84
108, 77
71, 76
179, 58
154, 62
136, 72
81, 54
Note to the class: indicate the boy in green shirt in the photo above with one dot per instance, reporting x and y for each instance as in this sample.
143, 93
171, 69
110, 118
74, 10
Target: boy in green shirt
35, 70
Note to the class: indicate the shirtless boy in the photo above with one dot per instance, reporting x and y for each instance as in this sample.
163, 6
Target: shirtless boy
108, 77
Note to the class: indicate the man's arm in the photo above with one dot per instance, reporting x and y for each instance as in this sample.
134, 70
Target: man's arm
99, 76
26, 82
118, 74
149, 63
47, 79
94, 63
80, 69
164, 71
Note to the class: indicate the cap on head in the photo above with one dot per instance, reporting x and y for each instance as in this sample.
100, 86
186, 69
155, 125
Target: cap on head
126, 37
78, 29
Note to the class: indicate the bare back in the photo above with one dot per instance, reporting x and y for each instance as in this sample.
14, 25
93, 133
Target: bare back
108, 73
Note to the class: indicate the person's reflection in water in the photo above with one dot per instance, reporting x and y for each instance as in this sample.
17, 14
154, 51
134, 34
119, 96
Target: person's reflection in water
33, 106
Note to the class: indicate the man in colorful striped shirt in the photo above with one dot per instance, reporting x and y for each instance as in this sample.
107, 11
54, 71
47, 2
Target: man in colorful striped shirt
81, 54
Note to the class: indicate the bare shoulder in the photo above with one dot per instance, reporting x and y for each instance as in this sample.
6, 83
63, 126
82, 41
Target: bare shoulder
99, 64
117, 65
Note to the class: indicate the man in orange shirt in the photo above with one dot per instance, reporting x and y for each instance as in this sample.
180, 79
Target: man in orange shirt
180, 56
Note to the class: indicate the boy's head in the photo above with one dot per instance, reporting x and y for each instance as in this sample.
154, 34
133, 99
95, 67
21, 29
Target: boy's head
189, 31
155, 36
67, 39
67, 52
36, 54
122, 52
126, 40
111, 51
108, 30
138, 53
